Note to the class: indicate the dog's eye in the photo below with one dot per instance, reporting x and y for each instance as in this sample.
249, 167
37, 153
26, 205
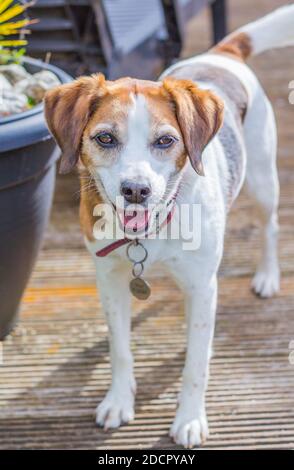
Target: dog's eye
106, 140
164, 142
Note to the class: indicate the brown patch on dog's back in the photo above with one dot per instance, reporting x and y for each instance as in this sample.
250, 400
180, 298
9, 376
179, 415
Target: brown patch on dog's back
226, 81
237, 46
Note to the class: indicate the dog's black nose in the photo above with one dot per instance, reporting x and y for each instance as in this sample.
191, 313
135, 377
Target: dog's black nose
135, 193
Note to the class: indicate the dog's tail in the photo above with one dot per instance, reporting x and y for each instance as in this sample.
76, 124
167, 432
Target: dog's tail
271, 31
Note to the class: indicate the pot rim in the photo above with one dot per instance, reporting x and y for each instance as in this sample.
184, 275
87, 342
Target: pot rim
28, 127
17, 116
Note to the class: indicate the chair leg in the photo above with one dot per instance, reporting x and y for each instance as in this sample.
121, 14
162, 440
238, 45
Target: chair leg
219, 19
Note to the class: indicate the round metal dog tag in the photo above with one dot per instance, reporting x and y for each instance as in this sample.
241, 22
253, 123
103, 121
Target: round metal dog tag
140, 288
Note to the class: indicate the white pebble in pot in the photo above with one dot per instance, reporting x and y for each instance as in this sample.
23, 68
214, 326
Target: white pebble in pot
4, 84
35, 86
12, 103
14, 72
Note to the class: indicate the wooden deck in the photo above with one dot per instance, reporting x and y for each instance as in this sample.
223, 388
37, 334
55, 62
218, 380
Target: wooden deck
56, 363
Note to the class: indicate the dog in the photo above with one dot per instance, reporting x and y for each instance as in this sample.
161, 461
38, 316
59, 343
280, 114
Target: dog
151, 143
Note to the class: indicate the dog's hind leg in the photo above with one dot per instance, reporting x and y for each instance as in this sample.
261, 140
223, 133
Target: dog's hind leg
263, 186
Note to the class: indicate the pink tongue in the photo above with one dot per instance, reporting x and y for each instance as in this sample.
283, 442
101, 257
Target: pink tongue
136, 221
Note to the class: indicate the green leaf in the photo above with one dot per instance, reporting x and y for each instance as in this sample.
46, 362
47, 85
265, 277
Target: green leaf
31, 102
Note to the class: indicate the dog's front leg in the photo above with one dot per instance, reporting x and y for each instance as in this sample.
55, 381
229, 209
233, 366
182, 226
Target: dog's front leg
118, 405
190, 425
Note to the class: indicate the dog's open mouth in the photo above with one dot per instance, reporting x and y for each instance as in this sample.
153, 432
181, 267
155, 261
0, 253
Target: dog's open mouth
134, 219
141, 220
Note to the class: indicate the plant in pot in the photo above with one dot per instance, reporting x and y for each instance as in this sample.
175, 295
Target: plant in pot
28, 158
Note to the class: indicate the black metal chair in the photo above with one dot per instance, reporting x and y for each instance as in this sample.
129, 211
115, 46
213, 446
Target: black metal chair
126, 37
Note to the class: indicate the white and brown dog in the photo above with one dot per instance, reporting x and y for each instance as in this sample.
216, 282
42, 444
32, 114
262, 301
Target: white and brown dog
152, 142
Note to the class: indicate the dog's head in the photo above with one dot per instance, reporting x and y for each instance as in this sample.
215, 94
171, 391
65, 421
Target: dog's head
133, 136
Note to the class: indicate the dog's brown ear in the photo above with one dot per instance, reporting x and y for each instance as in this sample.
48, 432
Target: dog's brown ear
199, 114
67, 110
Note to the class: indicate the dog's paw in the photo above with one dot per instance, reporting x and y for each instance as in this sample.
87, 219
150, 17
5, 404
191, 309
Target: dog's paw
116, 409
189, 432
266, 283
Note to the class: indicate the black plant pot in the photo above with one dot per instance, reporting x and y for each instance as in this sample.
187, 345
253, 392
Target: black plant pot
28, 158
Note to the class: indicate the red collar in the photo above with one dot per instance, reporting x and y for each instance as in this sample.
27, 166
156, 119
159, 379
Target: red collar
123, 241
